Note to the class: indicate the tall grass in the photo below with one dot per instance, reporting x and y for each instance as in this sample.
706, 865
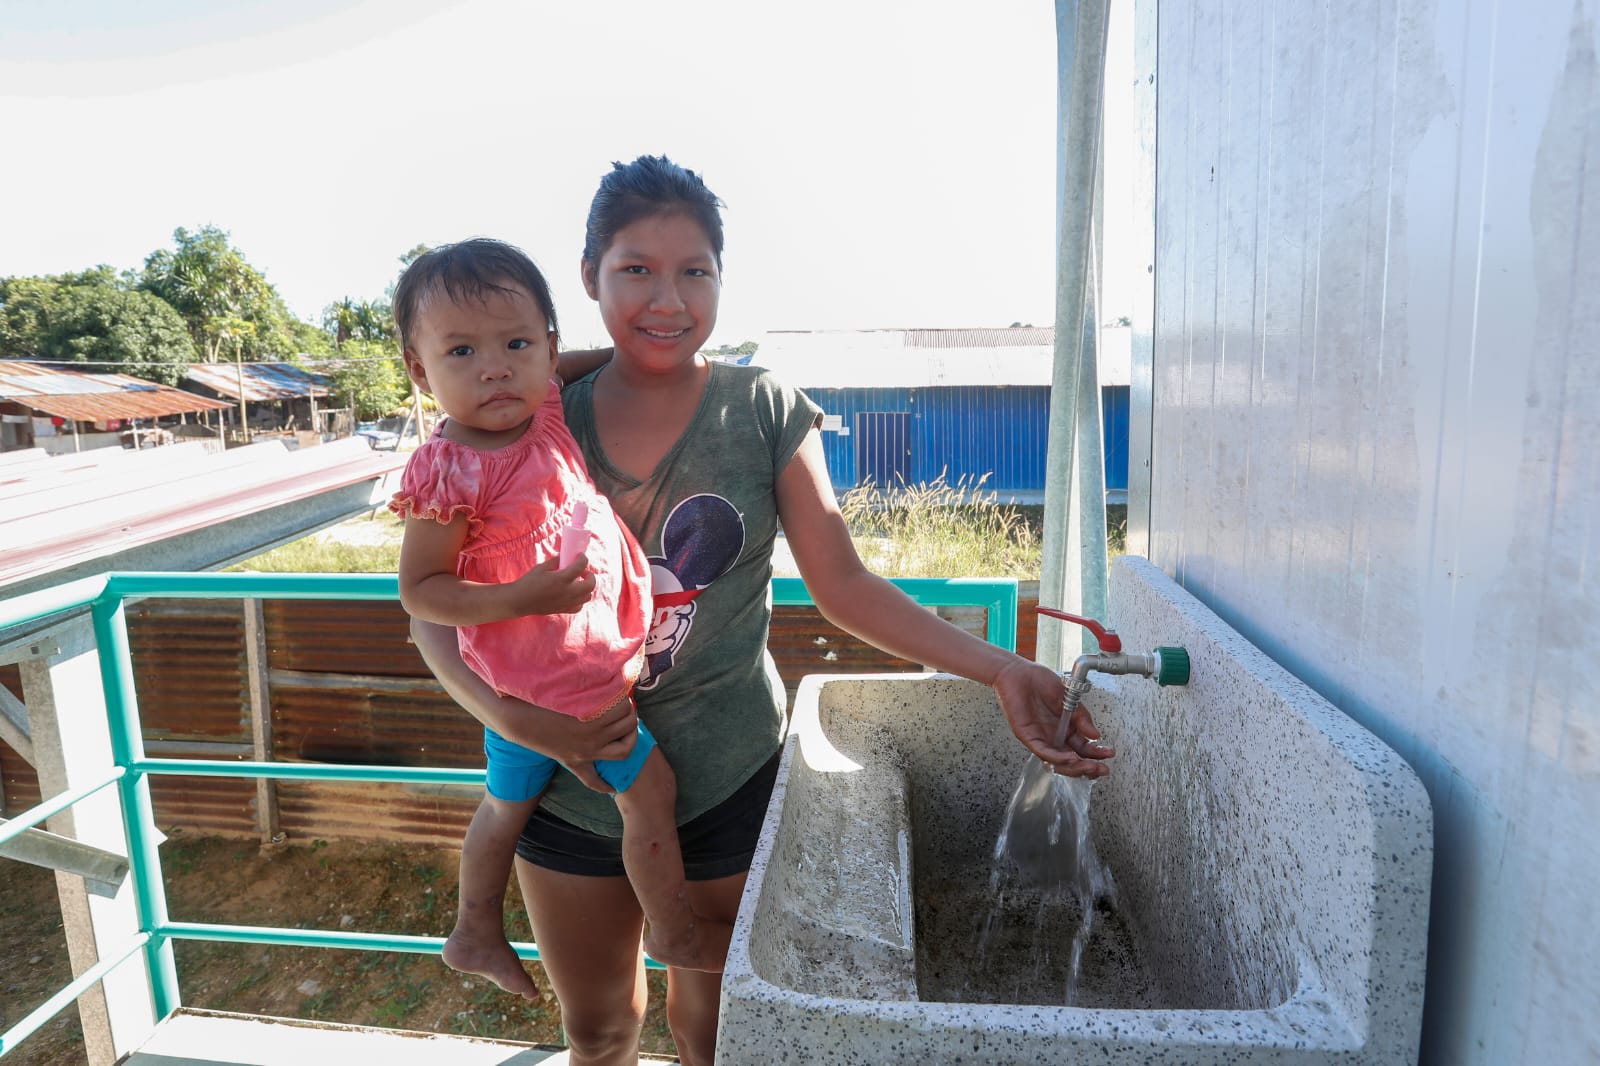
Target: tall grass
936, 529
369, 545
926, 530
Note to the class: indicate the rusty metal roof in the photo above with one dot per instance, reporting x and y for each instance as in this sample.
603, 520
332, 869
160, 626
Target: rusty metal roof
262, 381
93, 397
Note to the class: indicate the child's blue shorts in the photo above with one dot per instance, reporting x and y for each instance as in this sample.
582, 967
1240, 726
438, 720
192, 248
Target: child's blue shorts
517, 774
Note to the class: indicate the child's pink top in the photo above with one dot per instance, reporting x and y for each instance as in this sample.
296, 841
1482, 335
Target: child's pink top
517, 500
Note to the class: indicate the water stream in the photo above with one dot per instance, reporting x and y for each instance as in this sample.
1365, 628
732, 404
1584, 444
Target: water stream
1044, 860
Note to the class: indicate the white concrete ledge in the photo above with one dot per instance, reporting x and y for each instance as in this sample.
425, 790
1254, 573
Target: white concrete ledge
212, 1038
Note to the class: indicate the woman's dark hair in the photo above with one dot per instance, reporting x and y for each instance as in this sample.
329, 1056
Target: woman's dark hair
650, 185
468, 270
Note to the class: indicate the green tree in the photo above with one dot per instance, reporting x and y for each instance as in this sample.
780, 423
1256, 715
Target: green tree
310, 340
365, 320
732, 352
366, 377
229, 306
133, 333
26, 307
93, 318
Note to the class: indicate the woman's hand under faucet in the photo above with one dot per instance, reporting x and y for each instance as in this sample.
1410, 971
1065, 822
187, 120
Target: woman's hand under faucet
1031, 697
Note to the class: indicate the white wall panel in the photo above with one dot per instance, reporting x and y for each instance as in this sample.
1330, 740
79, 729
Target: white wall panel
1375, 442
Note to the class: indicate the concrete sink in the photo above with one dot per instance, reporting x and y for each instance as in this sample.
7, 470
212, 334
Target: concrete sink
1272, 861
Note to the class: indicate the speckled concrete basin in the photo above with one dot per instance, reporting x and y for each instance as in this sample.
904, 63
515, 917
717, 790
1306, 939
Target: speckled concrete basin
1272, 860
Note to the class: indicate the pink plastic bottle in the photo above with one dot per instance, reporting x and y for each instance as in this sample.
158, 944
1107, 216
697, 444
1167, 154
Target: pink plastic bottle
575, 537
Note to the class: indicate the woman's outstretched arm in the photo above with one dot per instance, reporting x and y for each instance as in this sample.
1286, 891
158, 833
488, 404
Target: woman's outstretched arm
574, 744
860, 602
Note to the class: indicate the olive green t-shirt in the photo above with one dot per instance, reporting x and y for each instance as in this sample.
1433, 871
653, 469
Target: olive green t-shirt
707, 517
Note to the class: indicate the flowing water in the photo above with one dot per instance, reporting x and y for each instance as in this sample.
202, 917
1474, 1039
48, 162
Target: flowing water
1045, 860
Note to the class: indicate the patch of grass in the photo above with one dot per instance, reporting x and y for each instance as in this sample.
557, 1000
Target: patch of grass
937, 529
368, 545
1116, 529
934, 529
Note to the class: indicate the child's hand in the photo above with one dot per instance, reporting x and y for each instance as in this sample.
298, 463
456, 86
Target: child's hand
545, 589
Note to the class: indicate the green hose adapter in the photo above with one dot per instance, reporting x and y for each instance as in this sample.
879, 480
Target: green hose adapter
1172, 665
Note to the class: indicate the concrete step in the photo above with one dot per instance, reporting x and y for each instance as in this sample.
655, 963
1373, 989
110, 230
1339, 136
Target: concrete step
214, 1038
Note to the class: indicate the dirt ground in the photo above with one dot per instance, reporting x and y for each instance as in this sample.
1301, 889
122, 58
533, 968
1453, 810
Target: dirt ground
379, 888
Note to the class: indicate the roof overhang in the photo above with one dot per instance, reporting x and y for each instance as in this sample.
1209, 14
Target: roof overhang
102, 407
61, 520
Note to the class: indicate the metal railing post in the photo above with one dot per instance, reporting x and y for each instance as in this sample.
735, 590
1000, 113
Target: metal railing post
138, 816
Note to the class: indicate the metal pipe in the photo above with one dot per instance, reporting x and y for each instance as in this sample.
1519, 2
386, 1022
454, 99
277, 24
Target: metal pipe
35, 1019
138, 814
1121, 662
31, 817
300, 771
1072, 571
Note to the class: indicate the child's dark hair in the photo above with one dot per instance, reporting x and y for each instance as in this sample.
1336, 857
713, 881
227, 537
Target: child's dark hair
650, 185
468, 270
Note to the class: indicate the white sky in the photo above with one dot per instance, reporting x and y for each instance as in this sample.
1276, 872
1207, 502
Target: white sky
884, 164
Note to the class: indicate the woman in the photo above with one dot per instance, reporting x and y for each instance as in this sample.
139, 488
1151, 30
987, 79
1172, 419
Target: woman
702, 461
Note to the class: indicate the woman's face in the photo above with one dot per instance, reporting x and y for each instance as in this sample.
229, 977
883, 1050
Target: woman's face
657, 285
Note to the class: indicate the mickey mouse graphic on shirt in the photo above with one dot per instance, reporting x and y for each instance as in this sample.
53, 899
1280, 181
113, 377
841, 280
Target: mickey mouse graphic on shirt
700, 541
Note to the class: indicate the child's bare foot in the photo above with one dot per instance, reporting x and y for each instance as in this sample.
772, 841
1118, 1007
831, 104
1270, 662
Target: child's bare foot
702, 944
492, 958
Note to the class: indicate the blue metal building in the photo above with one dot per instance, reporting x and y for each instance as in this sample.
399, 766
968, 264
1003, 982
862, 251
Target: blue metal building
910, 405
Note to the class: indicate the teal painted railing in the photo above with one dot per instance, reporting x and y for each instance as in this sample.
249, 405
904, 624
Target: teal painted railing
103, 595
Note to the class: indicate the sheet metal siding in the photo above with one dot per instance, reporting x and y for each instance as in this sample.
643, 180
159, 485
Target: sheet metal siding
352, 637
1114, 431
970, 432
1376, 417
960, 432
19, 785
190, 669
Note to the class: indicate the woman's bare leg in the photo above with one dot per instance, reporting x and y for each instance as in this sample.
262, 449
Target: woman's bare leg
588, 930
693, 997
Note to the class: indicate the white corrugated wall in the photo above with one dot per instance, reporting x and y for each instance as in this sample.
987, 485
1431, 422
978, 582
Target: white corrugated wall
1374, 434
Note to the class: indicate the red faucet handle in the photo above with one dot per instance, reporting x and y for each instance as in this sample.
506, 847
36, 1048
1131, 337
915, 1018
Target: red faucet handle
1110, 643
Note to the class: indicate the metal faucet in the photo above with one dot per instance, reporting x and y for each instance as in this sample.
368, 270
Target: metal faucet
1166, 665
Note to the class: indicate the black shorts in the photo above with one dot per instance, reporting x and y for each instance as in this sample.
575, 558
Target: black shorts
716, 844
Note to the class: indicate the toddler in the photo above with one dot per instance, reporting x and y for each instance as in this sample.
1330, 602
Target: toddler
486, 501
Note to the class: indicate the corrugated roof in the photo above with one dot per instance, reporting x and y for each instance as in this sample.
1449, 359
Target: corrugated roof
93, 397
262, 381
888, 358
1011, 337
924, 358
